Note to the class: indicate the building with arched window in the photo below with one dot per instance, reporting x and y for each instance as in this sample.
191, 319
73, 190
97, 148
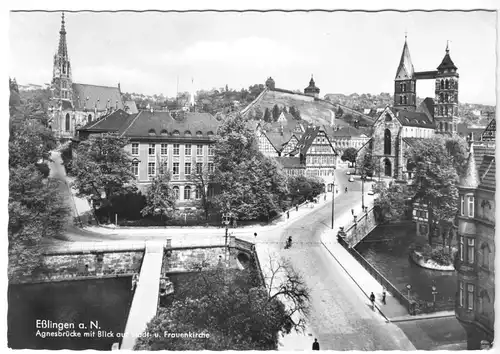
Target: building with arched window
82, 103
475, 266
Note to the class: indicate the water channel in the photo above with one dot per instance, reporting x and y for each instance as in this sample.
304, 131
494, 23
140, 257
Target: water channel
106, 301
387, 249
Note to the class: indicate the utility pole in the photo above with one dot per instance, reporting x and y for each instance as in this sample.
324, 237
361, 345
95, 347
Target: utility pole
363, 192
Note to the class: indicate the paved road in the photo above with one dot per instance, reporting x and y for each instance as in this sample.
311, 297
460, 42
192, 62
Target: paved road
341, 316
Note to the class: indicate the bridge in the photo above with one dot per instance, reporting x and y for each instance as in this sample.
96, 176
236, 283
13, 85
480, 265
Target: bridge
360, 227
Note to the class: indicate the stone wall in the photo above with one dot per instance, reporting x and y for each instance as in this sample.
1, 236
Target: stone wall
86, 265
359, 229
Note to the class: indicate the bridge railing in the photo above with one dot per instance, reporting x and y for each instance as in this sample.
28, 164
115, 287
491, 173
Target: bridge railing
379, 277
350, 230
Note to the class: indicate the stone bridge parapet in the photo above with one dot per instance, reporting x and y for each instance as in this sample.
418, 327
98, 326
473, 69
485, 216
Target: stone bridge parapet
360, 227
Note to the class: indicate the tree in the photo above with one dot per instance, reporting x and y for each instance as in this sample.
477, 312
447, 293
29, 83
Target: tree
36, 205
267, 115
258, 113
202, 178
302, 188
391, 201
296, 113
102, 168
251, 184
350, 154
284, 109
366, 165
239, 312
160, 198
339, 113
276, 112
435, 183
292, 111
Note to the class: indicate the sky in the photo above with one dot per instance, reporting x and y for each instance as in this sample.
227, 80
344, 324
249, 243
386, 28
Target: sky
346, 52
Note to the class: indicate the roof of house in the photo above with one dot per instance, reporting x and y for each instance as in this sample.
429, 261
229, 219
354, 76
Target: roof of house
147, 124
290, 162
427, 107
92, 96
413, 141
307, 139
489, 133
413, 119
115, 121
346, 132
480, 168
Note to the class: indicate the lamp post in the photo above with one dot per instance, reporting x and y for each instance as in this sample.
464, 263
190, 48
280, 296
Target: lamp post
363, 178
226, 219
434, 292
408, 286
333, 199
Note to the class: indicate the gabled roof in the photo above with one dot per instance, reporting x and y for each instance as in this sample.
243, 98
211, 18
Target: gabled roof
427, 107
489, 133
487, 172
405, 68
412, 141
278, 140
158, 122
307, 139
101, 97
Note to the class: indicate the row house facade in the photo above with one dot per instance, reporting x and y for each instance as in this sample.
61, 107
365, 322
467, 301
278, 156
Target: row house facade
475, 264
159, 144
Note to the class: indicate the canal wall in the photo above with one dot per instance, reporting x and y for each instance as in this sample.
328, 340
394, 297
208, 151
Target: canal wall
362, 224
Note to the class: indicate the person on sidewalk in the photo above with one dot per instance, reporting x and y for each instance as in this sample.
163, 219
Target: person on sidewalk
372, 299
325, 197
352, 211
296, 207
383, 296
255, 235
346, 189
288, 214
315, 344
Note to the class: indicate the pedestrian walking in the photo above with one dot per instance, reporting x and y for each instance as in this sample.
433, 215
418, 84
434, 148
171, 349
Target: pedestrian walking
383, 296
315, 344
288, 214
337, 191
346, 189
296, 207
325, 197
255, 235
372, 299
352, 211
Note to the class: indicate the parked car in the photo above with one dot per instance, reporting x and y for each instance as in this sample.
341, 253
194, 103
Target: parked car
370, 193
351, 179
348, 173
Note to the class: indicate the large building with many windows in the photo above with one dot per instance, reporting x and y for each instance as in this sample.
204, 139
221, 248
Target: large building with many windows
159, 143
474, 306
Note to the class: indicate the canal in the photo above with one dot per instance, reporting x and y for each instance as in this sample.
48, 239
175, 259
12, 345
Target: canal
103, 301
387, 249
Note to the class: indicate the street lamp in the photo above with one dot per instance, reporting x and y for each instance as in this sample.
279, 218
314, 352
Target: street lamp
333, 199
434, 292
408, 286
226, 219
363, 178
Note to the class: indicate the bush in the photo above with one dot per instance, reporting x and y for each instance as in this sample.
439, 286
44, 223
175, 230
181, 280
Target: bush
441, 256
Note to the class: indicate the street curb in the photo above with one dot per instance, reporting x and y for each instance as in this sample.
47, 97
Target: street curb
419, 318
355, 282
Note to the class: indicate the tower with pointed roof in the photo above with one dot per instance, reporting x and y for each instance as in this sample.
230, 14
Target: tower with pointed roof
61, 74
312, 90
405, 96
446, 99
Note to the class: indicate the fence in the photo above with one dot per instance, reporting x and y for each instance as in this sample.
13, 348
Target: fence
410, 305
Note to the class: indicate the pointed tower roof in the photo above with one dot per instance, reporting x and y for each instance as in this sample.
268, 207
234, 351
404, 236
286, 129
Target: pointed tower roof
405, 68
470, 178
447, 63
63, 48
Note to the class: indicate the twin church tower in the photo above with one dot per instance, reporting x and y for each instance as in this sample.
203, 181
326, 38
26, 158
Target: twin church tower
445, 111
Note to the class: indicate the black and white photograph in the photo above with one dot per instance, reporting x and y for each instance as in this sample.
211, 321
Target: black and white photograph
251, 177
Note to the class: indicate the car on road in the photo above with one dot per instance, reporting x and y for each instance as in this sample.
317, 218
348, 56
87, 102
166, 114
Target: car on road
371, 193
348, 173
351, 179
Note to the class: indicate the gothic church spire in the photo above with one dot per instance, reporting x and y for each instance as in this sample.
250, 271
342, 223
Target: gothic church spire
63, 48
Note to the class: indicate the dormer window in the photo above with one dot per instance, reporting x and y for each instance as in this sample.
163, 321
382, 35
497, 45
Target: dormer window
198, 133
187, 133
210, 133
175, 133
164, 132
152, 132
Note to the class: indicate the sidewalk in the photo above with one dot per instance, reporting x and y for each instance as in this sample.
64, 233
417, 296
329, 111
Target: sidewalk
358, 273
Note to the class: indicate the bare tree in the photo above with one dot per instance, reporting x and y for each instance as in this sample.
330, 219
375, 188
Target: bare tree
284, 283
